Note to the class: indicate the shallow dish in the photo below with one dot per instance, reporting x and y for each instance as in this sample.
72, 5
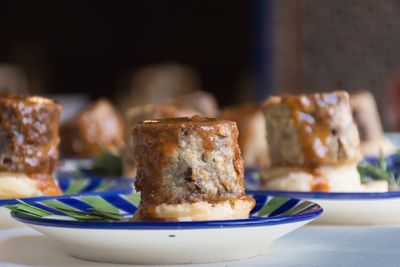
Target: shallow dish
72, 186
169, 242
342, 208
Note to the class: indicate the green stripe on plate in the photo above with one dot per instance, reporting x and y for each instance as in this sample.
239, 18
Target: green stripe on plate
76, 186
272, 205
56, 204
134, 198
100, 204
297, 208
104, 185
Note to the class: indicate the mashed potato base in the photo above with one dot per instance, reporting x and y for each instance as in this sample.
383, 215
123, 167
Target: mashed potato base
201, 211
340, 178
17, 185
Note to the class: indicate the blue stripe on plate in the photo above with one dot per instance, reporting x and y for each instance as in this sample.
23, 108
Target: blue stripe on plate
260, 200
120, 183
121, 203
76, 203
93, 184
64, 184
326, 195
285, 207
306, 210
46, 208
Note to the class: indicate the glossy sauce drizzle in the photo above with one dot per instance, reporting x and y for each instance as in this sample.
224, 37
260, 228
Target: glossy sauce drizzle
312, 115
320, 181
46, 184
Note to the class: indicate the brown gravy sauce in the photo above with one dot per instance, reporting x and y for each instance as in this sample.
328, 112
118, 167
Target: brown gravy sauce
320, 181
46, 184
312, 115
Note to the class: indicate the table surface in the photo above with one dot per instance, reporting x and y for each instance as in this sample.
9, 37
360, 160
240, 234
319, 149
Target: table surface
309, 246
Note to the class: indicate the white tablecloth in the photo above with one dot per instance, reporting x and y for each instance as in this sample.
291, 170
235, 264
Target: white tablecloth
308, 246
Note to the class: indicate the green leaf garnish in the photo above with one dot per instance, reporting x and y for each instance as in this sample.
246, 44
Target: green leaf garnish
107, 164
93, 214
27, 209
369, 172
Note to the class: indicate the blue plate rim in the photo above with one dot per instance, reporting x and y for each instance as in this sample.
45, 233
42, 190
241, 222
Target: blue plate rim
34, 199
329, 195
312, 212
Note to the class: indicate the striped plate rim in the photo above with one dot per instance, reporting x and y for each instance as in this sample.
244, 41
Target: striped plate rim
269, 210
90, 186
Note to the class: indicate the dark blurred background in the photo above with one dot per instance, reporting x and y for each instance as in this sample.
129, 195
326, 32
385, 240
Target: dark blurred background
240, 50
86, 46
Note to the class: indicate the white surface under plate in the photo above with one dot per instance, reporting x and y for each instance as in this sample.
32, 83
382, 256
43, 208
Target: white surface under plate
310, 246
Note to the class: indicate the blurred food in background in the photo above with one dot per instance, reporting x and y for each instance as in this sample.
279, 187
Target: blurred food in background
28, 146
203, 102
94, 130
157, 83
252, 133
393, 99
367, 119
314, 144
72, 104
155, 111
13, 79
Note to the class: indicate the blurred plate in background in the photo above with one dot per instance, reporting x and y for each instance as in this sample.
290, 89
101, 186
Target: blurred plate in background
342, 208
89, 186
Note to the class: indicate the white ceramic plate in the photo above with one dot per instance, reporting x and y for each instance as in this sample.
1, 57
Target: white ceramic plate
170, 242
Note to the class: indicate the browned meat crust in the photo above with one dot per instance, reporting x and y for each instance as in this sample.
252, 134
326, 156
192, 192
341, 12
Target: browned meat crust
187, 160
140, 113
